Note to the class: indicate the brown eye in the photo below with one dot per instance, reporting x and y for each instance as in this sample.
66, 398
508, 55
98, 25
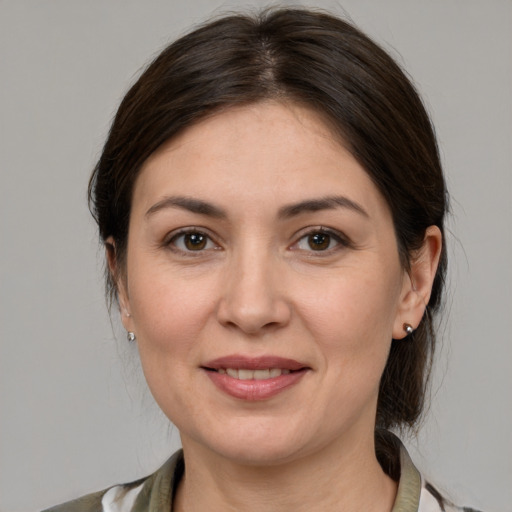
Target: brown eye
195, 241
322, 240
192, 241
319, 241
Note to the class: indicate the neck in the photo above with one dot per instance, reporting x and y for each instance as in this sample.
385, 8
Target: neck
344, 476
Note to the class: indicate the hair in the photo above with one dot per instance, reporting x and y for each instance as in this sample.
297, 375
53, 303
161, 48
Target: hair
318, 60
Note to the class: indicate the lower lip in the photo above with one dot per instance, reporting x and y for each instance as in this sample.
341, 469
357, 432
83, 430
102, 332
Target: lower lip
254, 390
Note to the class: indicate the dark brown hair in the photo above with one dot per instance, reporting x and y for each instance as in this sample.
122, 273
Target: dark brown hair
326, 63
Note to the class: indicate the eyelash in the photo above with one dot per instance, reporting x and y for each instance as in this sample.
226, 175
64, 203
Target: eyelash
171, 241
341, 241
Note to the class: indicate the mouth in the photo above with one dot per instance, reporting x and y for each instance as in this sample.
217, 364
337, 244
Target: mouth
254, 378
246, 374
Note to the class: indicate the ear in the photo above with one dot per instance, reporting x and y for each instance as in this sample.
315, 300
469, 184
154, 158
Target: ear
417, 285
117, 276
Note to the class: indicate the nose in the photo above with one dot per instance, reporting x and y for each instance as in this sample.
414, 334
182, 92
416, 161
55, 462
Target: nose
253, 298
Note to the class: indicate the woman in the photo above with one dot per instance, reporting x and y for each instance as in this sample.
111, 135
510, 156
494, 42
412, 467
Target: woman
271, 201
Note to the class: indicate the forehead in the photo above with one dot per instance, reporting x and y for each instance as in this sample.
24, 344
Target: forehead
229, 126
286, 152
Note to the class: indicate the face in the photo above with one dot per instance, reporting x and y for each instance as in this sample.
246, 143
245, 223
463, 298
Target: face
263, 284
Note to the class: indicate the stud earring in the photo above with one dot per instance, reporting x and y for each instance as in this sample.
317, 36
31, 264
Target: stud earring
408, 329
130, 336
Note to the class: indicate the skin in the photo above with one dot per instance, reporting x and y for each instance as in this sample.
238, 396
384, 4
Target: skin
260, 284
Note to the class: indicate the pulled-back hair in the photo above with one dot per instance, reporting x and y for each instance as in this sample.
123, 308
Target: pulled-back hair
317, 60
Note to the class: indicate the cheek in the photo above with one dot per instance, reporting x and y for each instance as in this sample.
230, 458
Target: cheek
352, 322
168, 312
169, 317
356, 307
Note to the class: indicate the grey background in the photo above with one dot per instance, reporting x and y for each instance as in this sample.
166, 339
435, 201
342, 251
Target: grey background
75, 414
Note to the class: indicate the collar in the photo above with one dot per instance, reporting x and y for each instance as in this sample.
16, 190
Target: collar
409, 485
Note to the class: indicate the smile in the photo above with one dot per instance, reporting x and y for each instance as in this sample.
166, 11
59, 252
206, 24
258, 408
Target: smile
245, 374
254, 379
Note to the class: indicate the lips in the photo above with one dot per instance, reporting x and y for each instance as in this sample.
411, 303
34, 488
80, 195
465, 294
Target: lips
245, 374
258, 378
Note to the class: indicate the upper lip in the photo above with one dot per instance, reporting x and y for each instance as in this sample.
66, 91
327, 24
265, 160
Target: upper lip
254, 363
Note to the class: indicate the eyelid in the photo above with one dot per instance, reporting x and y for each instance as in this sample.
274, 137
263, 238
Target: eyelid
342, 240
173, 235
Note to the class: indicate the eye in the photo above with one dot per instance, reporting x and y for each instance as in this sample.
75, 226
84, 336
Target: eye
320, 240
192, 241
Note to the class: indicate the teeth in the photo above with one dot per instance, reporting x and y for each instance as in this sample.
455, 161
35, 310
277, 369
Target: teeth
275, 372
244, 374
261, 374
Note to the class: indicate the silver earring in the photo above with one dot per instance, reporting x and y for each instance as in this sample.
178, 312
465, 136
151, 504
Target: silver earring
130, 336
408, 329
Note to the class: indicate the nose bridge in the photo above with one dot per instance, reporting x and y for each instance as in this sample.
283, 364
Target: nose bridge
252, 298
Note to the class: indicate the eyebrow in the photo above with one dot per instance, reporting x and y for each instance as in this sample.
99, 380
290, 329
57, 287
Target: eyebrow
309, 205
325, 203
190, 204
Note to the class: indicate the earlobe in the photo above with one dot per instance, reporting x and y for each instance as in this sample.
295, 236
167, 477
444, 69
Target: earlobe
418, 283
116, 276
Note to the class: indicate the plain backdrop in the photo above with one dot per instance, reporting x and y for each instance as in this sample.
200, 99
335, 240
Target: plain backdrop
75, 413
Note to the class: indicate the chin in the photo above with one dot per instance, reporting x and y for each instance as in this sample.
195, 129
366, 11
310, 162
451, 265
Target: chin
257, 455
258, 444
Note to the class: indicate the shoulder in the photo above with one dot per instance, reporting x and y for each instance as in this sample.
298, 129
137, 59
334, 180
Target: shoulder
119, 498
150, 494
415, 494
431, 500
89, 503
